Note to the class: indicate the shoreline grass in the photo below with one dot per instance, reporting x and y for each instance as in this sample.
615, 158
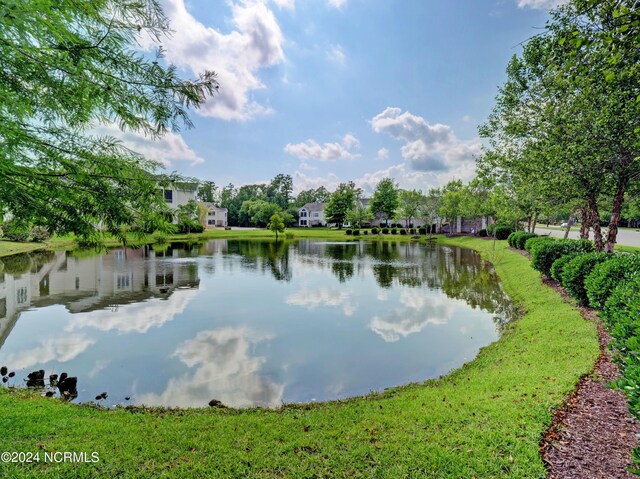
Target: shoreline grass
483, 420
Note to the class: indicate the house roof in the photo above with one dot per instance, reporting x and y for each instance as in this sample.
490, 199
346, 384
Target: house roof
316, 206
213, 206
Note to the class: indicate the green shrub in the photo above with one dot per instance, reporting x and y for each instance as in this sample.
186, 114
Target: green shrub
511, 238
575, 272
39, 234
190, 226
356, 232
544, 254
385, 230
503, 232
16, 231
557, 268
422, 231
605, 277
483, 233
403, 231
522, 239
394, 231
621, 314
348, 232
533, 243
374, 230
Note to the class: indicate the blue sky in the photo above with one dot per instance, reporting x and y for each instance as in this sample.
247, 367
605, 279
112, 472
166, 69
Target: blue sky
337, 90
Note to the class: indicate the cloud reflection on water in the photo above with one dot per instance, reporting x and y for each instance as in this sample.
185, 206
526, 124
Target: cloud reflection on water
224, 370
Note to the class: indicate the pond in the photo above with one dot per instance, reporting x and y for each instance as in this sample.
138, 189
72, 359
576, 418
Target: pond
246, 323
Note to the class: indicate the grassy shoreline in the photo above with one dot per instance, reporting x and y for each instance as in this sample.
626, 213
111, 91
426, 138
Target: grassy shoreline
485, 419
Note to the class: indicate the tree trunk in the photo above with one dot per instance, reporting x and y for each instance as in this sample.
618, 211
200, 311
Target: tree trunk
595, 223
618, 199
528, 224
585, 214
535, 220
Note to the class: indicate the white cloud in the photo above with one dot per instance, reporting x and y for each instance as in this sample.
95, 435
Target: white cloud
311, 150
350, 141
422, 180
540, 4
285, 4
383, 153
337, 3
302, 181
311, 299
167, 150
254, 44
336, 54
223, 369
428, 147
60, 349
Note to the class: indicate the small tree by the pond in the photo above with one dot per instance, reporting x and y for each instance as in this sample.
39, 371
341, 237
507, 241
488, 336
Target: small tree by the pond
276, 224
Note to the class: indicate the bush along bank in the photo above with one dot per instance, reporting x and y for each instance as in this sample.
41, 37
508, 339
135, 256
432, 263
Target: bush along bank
609, 282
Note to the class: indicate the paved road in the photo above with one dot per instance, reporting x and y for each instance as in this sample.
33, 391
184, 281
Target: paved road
625, 237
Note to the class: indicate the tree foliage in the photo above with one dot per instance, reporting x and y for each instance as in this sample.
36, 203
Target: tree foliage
276, 224
384, 201
340, 202
66, 67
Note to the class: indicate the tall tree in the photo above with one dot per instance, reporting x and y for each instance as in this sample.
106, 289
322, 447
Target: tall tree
67, 66
208, 192
279, 190
384, 201
340, 202
409, 205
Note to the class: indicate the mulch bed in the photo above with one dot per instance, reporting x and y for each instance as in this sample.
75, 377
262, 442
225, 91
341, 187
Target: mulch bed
593, 435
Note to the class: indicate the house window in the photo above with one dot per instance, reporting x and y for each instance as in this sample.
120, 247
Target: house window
315, 215
303, 214
212, 213
211, 222
21, 295
168, 196
303, 222
123, 281
3, 307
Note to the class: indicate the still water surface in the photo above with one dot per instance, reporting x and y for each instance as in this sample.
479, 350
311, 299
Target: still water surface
247, 323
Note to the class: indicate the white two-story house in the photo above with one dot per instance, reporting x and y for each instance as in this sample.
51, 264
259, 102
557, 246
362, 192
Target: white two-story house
312, 214
215, 216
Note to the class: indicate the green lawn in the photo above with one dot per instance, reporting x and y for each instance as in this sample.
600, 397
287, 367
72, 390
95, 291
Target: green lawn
484, 420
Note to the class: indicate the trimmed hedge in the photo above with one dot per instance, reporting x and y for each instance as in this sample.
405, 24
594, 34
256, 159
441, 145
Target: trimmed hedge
622, 316
422, 231
545, 253
374, 231
385, 230
605, 277
575, 272
483, 233
356, 232
348, 232
503, 232
403, 231
394, 231
533, 243
517, 239
557, 268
